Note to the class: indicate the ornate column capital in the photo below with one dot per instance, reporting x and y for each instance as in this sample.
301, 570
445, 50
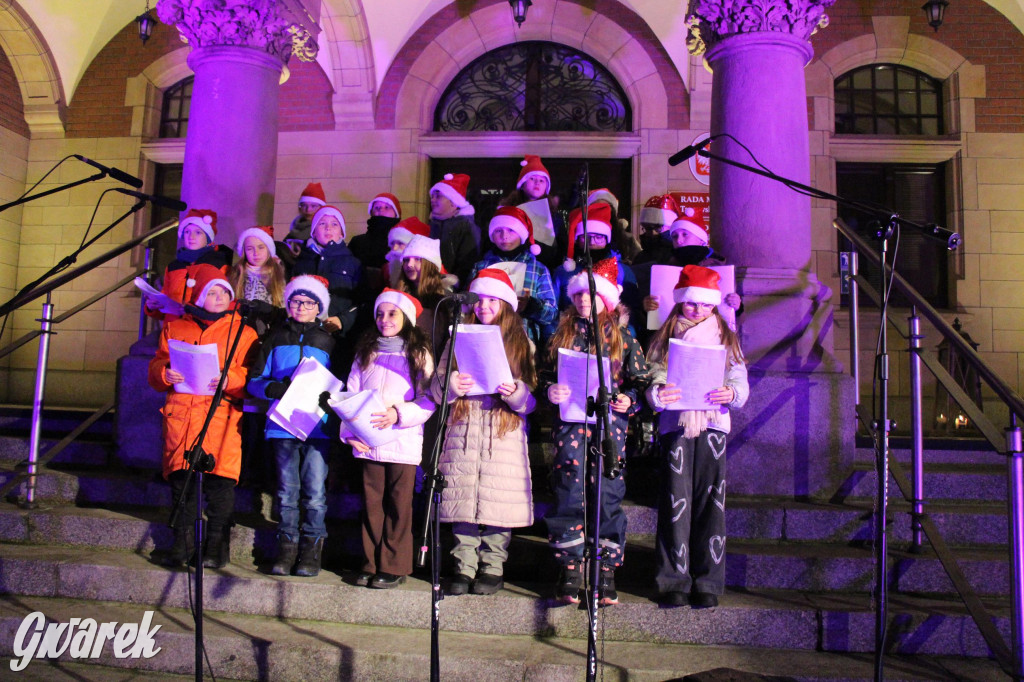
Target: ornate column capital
711, 21
278, 27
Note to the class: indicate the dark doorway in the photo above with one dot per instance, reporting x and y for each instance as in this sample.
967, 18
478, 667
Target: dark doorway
167, 183
915, 192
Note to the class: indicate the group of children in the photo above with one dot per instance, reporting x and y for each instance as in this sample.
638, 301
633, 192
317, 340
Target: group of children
368, 312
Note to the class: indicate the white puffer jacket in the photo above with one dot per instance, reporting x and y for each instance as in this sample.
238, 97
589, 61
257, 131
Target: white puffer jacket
388, 374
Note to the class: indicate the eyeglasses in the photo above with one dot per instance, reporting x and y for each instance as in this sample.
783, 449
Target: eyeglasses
699, 306
300, 304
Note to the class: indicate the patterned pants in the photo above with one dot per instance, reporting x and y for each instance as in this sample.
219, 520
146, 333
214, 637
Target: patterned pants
691, 514
567, 532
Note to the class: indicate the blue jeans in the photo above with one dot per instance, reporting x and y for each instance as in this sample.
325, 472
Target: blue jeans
301, 468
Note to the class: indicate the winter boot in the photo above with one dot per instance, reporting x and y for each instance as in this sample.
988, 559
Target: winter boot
182, 549
287, 551
569, 583
606, 593
310, 550
218, 547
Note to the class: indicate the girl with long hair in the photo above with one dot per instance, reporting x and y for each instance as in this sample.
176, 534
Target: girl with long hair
258, 277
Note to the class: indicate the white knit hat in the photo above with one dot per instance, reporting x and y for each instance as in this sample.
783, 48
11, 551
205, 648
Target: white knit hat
424, 248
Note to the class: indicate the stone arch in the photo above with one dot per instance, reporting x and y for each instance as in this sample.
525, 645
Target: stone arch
42, 91
144, 92
347, 59
605, 29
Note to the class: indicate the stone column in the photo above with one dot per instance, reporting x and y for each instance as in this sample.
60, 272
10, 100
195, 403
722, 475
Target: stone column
796, 432
239, 51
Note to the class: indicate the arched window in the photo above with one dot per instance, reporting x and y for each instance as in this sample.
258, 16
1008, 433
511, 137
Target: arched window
533, 86
174, 116
886, 99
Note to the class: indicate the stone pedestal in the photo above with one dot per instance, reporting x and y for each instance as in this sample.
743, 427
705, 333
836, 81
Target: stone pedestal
138, 431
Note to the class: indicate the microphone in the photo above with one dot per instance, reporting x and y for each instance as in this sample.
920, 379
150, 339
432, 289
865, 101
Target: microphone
686, 152
951, 238
115, 173
465, 297
155, 199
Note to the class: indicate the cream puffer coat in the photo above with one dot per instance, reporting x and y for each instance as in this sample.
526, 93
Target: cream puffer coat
488, 478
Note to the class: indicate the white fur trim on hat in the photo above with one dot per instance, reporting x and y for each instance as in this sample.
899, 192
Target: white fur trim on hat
691, 227
652, 215
609, 291
220, 281
204, 223
385, 200
604, 195
509, 222
529, 175
453, 194
312, 287
259, 234
697, 295
402, 301
494, 288
306, 199
594, 227
424, 248
399, 234
326, 211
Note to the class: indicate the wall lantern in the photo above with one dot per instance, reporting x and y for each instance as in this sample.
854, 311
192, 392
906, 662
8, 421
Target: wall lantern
146, 23
519, 8
935, 9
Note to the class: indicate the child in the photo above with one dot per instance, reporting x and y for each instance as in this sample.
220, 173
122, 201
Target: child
534, 183
655, 217
691, 516
511, 232
326, 255
196, 253
371, 248
258, 276
451, 221
484, 461
629, 377
185, 413
398, 238
393, 359
423, 276
310, 201
301, 465
622, 237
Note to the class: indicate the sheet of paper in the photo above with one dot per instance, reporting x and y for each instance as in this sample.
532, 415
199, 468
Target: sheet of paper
199, 364
695, 370
164, 303
663, 282
356, 410
540, 215
516, 272
298, 411
480, 352
578, 371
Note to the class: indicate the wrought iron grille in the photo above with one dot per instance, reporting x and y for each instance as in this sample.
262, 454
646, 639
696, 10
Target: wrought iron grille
887, 99
534, 86
177, 102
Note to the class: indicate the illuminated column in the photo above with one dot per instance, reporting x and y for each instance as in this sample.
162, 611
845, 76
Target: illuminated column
239, 52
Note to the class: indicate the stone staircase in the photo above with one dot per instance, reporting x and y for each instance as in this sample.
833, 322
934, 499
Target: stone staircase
798, 605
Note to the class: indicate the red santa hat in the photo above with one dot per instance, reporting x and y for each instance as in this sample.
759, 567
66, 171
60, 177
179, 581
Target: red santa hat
424, 248
322, 213
387, 198
204, 219
691, 222
515, 219
207, 278
697, 284
265, 233
660, 210
532, 166
313, 286
605, 195
454, 187
407, 229
599, 221
407, 303
495, 283
606, 281
313, 194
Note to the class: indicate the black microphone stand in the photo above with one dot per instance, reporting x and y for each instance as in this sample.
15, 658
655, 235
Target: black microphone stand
199, 461
40, 195
430, 537
881, 425
600, 458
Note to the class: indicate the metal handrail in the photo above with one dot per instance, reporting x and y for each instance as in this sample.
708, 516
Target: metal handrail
1011, 657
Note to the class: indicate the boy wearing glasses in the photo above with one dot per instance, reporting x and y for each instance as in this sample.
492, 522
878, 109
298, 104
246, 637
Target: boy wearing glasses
301, 465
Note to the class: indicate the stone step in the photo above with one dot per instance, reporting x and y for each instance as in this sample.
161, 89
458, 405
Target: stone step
750, 564
16, 420
285, 649
804, 621
15, 449
942, 481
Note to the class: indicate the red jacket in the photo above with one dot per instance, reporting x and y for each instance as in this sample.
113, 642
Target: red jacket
184, 413
180, 278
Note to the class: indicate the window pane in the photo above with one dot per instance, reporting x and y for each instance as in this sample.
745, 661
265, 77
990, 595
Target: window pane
886, 102
886, 125
929, 103
863, 103
910, 126
883, 78
906, 80
862, 79
930, 126
864, 125
908, 102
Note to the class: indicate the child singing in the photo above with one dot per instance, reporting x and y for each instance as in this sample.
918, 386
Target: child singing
485, 461
258, 277
691, 515
393, 359
629, 377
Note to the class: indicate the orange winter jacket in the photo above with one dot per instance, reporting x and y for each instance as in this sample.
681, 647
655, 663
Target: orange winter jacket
184, 413
180, 278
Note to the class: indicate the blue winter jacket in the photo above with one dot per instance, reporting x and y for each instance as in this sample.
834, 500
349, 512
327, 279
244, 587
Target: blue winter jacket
343, 273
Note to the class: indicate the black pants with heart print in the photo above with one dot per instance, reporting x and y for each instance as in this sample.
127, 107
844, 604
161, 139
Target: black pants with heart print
691, 514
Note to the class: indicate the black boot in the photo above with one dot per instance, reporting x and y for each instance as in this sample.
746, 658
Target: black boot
182, 549
287, 550
310, 549
218, 547
569, 584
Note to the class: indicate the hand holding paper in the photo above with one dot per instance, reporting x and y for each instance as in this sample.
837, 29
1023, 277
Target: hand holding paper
158, 300
697, 371
198, 366
578, 371
480, 352
298, 411
361, 414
